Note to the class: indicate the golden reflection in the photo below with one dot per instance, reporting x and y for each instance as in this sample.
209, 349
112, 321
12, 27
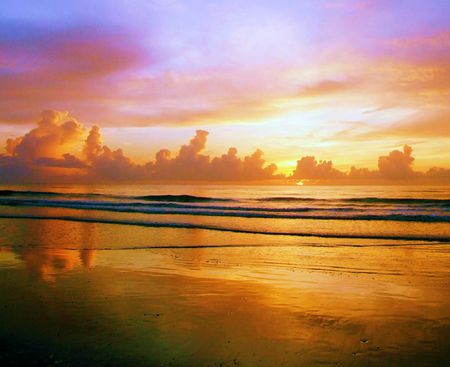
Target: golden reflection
47, 264
49, 248
87, 257
337, 303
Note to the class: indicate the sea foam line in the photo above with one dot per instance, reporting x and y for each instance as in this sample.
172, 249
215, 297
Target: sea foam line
223, 229
240, 212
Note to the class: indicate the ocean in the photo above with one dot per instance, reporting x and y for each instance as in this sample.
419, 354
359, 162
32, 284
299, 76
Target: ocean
195, 275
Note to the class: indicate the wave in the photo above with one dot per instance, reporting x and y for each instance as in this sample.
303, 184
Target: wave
27, 193
202, 246
442, 239
18, 193
374, 200
206, 199
222, 211
155, 198
400, 200
168, 205
180, 198
288, 198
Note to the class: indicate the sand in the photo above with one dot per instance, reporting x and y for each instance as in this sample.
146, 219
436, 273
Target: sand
97, 294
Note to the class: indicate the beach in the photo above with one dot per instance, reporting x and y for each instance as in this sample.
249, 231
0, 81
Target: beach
224, 183
223, 276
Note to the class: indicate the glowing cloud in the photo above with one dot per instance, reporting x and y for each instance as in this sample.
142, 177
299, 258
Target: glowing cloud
61, 149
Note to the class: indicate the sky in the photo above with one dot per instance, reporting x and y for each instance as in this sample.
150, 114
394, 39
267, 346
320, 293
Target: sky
340, 83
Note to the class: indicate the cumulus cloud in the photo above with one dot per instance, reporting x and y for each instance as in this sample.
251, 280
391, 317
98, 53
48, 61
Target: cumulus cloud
252, 167
43, 149
93, 145
438, 174
190, 164
397, 165
48, 139
362, 174
309, 168
62, 149
107, 164
67, 161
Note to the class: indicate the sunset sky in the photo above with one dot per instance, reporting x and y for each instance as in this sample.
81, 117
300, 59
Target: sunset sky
344, 81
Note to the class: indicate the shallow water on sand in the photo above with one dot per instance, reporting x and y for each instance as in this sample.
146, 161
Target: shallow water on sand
287, 303
88, 293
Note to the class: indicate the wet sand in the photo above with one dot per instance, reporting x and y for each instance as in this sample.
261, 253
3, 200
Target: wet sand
82, 294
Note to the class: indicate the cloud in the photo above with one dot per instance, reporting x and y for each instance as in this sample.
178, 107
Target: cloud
351, 4
421, 125
309, 168
77, 52
48, 139
13, 170
396, 165
43, 149
424, 125
330, 87
107, 164
149, 73
113, 74
113, 165
93, 144
60, 149
72, 67
68, 161
250, 168
362, 174
190, 164
116, 76
432, 42
438, 174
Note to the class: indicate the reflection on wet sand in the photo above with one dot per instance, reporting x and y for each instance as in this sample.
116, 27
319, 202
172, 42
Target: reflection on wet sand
285, 305
47, 262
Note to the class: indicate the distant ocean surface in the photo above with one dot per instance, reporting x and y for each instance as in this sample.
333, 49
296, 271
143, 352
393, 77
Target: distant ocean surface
391, 213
